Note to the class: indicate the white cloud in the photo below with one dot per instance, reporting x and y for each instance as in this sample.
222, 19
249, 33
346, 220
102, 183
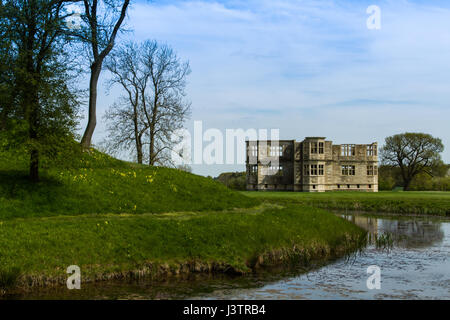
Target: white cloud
310, 67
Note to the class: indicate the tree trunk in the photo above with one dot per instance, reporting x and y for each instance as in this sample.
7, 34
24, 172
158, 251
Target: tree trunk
407, 184
32, 131
140, 155
86, 142
3, 117
34, 165
151, 160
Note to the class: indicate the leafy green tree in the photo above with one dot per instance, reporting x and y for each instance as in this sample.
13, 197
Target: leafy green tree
6, 74
413, 153
43, 113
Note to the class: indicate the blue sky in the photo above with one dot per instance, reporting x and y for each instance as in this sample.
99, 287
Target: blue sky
309, 68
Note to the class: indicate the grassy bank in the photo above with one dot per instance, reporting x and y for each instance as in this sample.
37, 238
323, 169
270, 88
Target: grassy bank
37, 251
116, 219
427, 203
95, 183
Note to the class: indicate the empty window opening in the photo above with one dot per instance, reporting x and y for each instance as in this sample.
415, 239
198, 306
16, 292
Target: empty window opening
371, 150
314, 147
276, 151
347, 150
275, 170
321, 149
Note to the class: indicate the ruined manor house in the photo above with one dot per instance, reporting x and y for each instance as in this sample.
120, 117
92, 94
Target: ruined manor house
312, 165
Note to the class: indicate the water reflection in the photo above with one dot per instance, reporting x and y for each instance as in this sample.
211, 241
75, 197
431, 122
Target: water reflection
406, 233
416, 267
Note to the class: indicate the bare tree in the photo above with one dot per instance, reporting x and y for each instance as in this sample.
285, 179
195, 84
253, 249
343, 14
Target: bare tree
413, 153
154, 105
163, 103
104, 20
126, 121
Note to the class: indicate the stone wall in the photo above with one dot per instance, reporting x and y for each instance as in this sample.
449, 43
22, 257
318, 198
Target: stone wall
313, 165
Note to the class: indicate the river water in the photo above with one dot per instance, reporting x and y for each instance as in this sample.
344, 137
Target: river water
415, 266
413, 261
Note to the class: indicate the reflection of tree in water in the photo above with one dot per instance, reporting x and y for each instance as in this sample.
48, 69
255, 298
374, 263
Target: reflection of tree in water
406, 233
413, 233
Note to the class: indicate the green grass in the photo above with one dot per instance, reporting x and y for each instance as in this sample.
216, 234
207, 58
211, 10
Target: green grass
111, 218
98, 184
432, 203
115, 243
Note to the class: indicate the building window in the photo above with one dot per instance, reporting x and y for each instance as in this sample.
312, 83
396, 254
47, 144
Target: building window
371, 150
254, 151
357, 186
348, 186
347, 150
254, 169
339, 186
306, 170
314, 147
314, 170
370, 186
278, 170
348, 170
276, 151
320, 169
314, 186
372, 170
321, 149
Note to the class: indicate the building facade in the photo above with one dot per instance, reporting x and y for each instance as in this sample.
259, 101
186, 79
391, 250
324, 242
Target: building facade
312, 165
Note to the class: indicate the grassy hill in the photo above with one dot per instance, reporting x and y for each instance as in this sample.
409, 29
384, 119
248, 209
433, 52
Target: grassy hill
119, 220
94, 183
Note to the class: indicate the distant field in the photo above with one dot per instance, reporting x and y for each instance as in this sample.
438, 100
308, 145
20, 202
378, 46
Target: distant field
433, 203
